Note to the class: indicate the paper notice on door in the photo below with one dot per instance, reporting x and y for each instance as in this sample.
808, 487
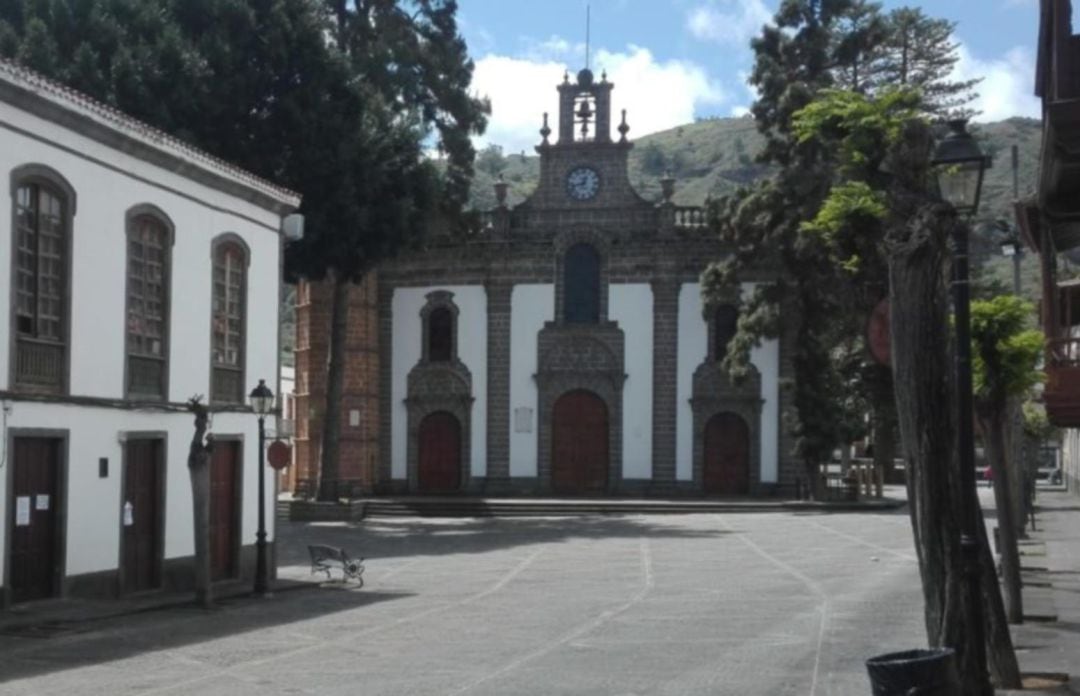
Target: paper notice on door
41, 502
129, 514
22, 511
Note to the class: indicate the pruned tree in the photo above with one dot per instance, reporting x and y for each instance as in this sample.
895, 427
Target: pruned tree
881, 205
198, 461
1005, 357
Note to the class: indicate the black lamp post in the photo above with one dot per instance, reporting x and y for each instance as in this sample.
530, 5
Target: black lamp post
960, 165
262, 402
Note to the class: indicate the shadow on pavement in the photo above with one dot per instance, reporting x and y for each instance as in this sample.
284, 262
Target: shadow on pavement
94, 642
389, 537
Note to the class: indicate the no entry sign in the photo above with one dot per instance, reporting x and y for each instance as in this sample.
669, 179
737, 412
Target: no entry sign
278, 454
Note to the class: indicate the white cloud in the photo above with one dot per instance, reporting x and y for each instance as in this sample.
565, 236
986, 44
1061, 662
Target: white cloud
656, 94
732, 22
740, 111
1008, 86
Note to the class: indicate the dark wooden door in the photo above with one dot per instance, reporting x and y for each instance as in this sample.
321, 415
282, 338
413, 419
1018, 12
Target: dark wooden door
579, 443
439, 453
727, 455
34, 520
224, 510
141, 515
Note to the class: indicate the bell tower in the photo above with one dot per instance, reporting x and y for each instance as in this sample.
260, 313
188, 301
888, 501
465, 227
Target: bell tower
584, 109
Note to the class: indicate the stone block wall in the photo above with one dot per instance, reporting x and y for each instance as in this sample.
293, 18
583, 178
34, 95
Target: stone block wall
360, 403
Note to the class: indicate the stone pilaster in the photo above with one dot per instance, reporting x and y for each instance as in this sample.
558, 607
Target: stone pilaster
498, 384
665, 378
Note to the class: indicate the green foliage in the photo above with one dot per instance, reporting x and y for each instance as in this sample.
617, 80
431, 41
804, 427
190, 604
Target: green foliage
491, 160
1036, 423
653, 160
865, 127
1005, 353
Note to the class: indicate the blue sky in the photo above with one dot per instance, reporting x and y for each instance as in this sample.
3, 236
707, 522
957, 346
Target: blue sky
676, 60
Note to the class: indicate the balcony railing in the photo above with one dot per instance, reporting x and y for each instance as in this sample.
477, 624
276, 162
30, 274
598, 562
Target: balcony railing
1061, 393
691, 217
39, 365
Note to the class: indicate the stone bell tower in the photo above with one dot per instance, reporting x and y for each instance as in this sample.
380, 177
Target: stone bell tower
585, 109
584, 169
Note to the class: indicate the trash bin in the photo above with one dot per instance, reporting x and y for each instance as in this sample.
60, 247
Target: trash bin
929, 672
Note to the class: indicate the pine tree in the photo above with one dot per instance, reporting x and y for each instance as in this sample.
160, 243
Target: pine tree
920, 52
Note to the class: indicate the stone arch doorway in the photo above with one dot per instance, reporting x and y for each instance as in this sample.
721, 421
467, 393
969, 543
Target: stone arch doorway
727, 455
579, 451
439, 466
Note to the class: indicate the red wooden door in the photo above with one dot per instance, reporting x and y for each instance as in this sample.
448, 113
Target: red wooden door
224, 510
34, 521
439, 468
141, 515
727, 455
579, 447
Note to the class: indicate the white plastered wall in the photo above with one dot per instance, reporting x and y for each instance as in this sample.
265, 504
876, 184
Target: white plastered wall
407, 334
530, 307
107, 184
631, 305
693, 347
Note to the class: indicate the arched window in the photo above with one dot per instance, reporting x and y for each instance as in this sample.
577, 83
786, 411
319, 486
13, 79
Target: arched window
581, 285
725, 321
40, 269
440, 335
228, 321
147, 306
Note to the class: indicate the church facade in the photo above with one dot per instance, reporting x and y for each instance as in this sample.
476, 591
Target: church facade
563, 350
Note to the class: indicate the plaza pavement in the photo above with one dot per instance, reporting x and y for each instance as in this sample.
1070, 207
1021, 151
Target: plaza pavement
741, 604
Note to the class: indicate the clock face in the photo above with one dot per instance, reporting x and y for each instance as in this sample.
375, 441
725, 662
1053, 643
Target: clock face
582, 183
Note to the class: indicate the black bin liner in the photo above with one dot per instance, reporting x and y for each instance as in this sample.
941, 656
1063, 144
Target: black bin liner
930, 672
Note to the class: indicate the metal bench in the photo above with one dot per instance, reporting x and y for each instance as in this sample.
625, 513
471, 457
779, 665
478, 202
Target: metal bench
323, 558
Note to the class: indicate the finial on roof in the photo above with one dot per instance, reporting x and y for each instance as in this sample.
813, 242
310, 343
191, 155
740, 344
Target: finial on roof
545, 131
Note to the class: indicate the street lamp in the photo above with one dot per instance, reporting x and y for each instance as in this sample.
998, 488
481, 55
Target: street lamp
262, 402
959, 165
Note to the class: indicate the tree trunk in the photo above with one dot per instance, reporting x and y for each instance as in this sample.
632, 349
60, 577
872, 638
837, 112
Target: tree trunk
999, 647
884, 425
335, 376
992, 422
199, 470
1014, 448
923, 383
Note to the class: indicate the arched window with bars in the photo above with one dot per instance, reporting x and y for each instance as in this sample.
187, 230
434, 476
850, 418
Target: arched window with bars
44, 205
149, 237
228, 320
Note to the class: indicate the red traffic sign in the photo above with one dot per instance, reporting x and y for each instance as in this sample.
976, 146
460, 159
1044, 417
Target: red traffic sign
278, 454
878, 333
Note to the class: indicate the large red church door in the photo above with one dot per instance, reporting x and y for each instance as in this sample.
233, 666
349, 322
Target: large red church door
579, 448
727, 455
440, 454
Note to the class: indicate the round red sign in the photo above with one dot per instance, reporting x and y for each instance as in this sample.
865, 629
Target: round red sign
878, 337
278, 454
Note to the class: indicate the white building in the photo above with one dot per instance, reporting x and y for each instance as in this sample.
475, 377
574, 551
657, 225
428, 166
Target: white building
143, 272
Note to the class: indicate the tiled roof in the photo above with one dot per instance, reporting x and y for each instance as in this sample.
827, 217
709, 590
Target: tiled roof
79, 103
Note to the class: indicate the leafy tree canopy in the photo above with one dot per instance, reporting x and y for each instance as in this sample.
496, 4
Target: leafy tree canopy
1005, 352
